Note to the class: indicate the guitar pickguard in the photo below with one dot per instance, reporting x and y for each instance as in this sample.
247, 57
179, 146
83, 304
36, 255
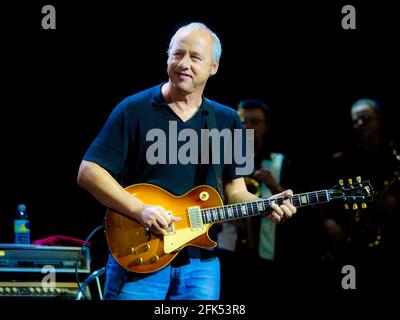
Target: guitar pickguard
181, 237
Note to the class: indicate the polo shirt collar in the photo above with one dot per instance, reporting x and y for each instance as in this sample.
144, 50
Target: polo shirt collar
159, 101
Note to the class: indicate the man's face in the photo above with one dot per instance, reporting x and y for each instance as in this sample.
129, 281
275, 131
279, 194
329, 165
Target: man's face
366, 122
254, 119
190, 61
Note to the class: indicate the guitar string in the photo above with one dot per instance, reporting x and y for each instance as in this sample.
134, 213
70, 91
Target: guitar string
255, 202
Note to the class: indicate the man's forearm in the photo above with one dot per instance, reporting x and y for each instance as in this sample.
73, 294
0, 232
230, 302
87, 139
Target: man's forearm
107, 190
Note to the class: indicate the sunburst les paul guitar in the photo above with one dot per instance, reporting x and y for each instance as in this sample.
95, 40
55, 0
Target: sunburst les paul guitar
137, 249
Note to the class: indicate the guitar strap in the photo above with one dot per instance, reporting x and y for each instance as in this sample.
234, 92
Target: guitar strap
204, 172
216, 167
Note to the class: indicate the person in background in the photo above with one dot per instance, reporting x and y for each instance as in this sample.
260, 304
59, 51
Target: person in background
367, 238
256, 241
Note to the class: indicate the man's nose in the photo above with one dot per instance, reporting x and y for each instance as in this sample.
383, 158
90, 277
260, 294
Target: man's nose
185, 62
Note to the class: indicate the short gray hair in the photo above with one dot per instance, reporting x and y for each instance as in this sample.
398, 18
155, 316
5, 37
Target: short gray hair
216, 43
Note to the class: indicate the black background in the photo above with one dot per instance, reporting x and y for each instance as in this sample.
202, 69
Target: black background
59, 86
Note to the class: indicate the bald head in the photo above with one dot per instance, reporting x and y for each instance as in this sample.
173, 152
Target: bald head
367, 120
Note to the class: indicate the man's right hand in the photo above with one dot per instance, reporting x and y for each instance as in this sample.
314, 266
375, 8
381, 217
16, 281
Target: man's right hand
156, 219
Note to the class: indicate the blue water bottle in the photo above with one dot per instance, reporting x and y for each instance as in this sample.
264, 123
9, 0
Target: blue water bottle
22, 226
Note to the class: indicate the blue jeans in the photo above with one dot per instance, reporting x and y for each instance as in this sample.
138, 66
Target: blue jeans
198, 280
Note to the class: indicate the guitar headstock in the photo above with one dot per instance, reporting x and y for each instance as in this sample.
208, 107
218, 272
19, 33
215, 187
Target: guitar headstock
356, 194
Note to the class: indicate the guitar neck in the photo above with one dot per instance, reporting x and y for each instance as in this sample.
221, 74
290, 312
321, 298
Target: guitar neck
262, 206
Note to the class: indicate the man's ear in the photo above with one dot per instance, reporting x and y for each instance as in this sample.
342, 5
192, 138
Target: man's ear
214, 68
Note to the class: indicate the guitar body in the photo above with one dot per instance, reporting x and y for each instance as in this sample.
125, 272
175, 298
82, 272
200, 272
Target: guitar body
137, 249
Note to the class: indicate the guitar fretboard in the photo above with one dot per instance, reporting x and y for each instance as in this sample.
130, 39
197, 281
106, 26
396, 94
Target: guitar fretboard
258, 207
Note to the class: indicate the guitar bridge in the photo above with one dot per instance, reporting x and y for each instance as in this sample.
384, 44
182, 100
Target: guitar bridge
147, 234
171, 227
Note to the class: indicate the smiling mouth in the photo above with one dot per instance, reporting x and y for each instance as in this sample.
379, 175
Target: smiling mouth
184, 75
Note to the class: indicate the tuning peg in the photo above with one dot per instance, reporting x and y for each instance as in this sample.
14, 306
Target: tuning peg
355, 206
363, 205
341, 182
350, 181
346, 206
358, 179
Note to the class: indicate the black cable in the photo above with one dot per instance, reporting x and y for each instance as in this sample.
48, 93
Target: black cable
79, 257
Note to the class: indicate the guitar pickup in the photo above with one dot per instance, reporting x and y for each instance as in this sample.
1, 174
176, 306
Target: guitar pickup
195, 218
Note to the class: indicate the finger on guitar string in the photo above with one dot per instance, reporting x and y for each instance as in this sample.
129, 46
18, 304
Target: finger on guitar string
288, 208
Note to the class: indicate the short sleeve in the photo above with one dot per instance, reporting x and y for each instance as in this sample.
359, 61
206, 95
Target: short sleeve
110, 148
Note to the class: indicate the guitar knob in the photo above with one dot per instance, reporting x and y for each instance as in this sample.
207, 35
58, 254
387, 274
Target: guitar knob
358, 179
350, 181
363, 205
155, 258
204, 196
355, 206
346, 206
341, 182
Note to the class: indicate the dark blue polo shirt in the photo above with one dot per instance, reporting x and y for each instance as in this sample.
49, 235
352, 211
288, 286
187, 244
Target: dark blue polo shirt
121, 145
